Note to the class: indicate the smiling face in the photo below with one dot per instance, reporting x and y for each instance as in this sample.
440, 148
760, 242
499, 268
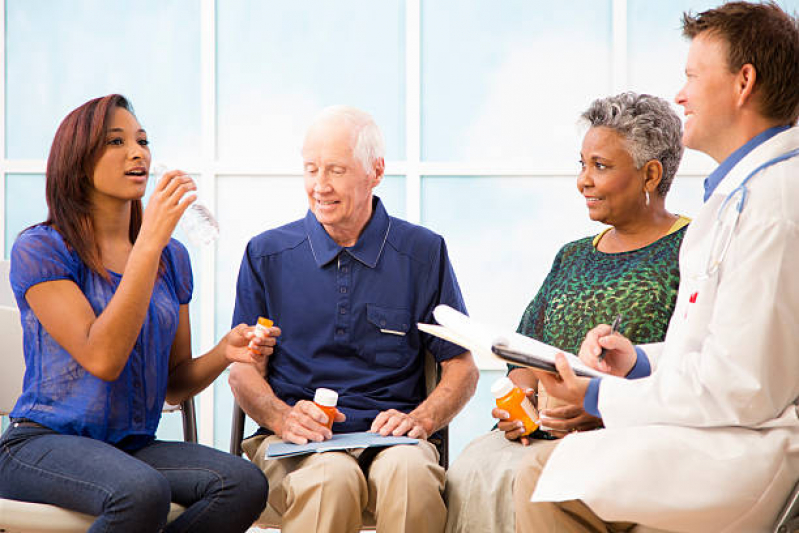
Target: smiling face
709, 98
613, 188
339, 189
120, 171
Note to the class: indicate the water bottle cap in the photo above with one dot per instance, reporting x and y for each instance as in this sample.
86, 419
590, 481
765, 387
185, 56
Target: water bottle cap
326, 397
502, 387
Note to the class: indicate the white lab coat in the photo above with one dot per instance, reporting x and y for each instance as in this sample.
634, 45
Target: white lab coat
709, 441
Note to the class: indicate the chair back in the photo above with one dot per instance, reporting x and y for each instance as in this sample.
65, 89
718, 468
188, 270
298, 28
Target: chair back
13, 359
6, 295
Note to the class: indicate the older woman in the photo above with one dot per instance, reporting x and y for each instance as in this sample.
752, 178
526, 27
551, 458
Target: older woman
628, 160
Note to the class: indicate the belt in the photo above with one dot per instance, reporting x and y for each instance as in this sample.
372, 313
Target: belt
25, 423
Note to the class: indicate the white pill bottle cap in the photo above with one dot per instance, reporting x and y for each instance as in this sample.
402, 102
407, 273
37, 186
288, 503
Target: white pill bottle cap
326, 397
502, 387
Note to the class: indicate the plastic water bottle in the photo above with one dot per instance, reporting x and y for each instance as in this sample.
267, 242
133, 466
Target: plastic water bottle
197, 222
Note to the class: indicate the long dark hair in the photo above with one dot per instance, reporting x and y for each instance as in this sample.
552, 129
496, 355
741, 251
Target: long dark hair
77, 145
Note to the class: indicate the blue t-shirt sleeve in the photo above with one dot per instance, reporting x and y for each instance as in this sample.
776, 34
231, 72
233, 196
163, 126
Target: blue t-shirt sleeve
40, 255
181, 268
640, 369
250, 290
442, 282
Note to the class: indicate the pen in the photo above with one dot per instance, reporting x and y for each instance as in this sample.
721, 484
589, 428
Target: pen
613, 329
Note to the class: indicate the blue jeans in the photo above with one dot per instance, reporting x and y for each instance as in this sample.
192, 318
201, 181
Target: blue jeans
131, 492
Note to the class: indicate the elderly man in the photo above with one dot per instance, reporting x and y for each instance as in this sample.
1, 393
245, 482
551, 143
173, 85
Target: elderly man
708, 440
347, 285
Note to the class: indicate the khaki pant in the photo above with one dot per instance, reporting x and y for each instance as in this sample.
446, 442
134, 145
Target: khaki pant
479, 492
328, 492
571, 516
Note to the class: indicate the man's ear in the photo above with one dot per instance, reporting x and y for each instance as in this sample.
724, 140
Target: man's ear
379, 169
745, 83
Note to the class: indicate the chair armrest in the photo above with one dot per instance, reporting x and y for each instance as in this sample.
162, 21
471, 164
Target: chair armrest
189, 420
236, 429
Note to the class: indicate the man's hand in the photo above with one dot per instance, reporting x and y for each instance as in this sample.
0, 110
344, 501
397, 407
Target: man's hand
306, 422
568, 418
397, 423
513, 429
620, 356
565, 385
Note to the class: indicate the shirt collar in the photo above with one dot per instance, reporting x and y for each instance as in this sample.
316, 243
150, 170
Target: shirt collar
715, 177
367, 249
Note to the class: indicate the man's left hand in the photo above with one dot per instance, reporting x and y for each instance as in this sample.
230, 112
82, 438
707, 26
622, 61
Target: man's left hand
397, 423
565, 385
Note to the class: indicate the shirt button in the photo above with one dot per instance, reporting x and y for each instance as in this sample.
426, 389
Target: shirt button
342, 290
342, 311
137, 419
383, 323
344, 269
340, 331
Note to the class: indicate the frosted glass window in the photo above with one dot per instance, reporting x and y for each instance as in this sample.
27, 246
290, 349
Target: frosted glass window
25, 205
279, 63
59, 55
507, 80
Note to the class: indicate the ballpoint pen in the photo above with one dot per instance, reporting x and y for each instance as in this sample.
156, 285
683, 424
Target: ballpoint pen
613, 329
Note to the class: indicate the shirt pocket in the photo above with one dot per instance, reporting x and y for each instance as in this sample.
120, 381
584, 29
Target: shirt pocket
388, 330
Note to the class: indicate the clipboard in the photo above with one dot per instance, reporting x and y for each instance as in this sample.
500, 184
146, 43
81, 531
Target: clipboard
509, 347
520, 358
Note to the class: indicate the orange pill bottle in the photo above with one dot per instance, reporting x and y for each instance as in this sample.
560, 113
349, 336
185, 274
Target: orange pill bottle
262, 327
326, 400
512, 399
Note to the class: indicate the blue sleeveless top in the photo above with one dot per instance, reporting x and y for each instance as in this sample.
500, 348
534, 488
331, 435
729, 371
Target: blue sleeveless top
57, 391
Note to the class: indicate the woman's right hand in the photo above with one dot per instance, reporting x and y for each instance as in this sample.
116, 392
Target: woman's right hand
165, 207
513, 429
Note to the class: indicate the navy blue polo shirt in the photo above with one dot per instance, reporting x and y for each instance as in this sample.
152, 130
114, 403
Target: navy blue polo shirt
348, 315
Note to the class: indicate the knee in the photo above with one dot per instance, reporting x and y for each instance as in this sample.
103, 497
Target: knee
146, 496
254, 487
245, 486
409, 466
337, 473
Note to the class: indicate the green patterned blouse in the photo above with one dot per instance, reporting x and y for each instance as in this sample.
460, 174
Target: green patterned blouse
586, 287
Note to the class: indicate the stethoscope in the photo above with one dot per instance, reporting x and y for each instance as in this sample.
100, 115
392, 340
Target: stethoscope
728, 214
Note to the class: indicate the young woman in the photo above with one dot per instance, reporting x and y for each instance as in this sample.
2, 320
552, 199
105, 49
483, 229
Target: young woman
103, 291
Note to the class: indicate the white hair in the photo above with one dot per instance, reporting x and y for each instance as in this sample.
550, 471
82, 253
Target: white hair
368, 146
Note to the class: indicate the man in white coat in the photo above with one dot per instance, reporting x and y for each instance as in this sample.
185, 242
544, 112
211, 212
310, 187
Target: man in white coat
703, 435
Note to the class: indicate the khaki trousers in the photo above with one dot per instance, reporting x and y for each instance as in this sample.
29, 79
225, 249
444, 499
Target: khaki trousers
480, 483
328, 492
571, 516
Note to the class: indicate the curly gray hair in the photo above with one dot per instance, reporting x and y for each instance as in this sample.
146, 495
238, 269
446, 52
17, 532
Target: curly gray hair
649, 125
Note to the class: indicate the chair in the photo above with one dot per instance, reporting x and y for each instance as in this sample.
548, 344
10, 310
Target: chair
788, 521
26, 517
270, 518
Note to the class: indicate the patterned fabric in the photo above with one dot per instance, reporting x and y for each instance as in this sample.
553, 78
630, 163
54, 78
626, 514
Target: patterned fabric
586, 287
57, 391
